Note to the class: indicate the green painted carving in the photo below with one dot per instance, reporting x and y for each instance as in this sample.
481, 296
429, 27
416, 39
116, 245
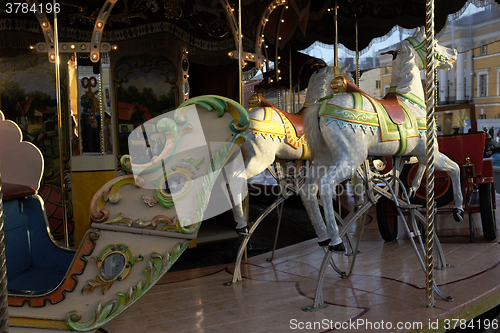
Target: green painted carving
158, 265
221, 105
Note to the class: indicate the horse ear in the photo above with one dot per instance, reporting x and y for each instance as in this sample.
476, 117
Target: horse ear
419, 32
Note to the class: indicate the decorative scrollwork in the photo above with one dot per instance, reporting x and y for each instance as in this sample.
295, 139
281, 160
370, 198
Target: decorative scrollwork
114, 263
157, 266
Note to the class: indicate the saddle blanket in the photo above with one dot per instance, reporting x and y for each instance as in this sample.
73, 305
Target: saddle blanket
377, 120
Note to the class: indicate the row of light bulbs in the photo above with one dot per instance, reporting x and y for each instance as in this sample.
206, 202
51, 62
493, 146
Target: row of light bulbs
66, 47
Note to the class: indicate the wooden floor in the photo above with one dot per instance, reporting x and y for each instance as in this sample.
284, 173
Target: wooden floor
385, 292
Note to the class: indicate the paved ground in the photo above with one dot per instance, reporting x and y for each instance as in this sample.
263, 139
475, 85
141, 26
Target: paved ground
295, 228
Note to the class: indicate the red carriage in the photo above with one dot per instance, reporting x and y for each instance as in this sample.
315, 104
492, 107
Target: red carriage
477, 185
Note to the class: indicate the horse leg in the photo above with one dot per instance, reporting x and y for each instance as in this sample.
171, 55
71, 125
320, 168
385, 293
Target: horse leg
238, 209
415, 184
309, 196
444, 163
258, 155
333, 176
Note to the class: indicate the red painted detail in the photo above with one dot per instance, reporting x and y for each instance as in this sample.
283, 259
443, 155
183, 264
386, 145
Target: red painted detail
16, 191
459, 147
487, 170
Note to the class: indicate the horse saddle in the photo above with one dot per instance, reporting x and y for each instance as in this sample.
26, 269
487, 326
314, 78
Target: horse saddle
389, 102
296, 120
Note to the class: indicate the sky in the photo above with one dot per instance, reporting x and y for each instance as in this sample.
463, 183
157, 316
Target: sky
327, 53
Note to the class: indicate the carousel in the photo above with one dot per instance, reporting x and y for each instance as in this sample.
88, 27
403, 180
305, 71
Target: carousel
125, 125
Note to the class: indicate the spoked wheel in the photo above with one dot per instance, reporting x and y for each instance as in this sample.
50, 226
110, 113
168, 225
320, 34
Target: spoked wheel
487, 213
387, 219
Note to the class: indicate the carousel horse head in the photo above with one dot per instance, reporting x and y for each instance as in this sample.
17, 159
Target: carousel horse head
410, 58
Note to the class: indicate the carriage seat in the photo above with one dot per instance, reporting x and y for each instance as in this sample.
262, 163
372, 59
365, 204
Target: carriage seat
34, 263
16, 191
295, 119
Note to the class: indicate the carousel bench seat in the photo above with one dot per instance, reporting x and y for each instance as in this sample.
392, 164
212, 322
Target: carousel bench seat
34, 263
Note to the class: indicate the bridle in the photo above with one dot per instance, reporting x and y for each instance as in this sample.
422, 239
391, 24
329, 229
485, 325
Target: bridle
420, 49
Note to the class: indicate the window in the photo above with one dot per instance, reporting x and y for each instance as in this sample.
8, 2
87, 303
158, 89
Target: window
498, 80
482, 82
481, 89
377, 84
482, 116
387, 70
386, 90
484, 50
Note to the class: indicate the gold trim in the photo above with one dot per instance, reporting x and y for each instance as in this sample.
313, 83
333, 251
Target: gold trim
268, 114
58, 324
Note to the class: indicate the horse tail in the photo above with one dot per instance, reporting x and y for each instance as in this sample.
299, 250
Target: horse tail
311, 129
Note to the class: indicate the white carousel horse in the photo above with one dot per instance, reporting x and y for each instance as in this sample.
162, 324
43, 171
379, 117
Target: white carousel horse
345, 129
273, 136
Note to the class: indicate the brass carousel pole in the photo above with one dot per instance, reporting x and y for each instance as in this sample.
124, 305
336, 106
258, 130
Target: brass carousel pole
430, 141
357, 55
4, 317
60, 130
336, 46
240, 55
291, 97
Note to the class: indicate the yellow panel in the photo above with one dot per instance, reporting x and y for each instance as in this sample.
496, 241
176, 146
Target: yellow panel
85, 185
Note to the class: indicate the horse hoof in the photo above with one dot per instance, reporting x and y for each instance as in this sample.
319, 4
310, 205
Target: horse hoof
324, 243
339, 248
458, 214
242, 231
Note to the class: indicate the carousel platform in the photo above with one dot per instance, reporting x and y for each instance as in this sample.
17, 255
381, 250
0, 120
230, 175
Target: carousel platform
385, 293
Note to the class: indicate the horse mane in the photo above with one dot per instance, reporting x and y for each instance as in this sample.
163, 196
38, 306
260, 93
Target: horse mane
319, 83
406, 67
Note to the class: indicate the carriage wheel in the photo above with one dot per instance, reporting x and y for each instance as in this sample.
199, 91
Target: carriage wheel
487, 213
387, 219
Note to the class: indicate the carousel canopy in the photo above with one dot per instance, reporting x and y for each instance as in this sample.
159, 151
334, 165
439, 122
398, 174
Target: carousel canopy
205, 25
301, 72
206, 29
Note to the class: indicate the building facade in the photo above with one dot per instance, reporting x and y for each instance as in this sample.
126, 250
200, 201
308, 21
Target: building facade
471, 90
